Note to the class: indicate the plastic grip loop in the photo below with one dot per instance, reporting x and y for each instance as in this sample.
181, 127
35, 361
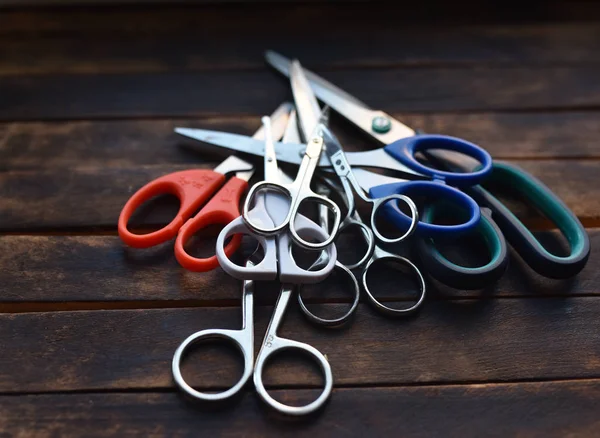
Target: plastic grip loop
404, 150
439, 190
521, 239
462, 277
222, 209
192, 188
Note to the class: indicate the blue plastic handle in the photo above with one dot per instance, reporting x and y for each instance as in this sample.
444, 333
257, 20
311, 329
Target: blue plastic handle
436, 190
404, 150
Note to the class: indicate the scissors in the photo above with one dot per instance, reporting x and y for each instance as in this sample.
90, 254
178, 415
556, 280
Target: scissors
194, 188
373, 255
398, 157
244, 339
312, 118
298, 192
272, 208
498, 219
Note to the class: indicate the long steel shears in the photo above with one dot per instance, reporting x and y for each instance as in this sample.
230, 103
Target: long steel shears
497, 220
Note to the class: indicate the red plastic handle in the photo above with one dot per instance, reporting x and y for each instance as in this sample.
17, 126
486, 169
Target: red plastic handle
192, 187
222, 209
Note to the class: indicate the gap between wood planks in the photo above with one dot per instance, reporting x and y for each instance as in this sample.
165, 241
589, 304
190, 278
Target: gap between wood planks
437, 385
84, 306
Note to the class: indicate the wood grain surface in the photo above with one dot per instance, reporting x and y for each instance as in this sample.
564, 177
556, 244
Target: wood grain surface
523, 409
89, 100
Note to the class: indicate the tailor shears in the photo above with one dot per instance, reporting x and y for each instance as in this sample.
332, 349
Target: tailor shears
497, 220
193, 188
243, 339
398, 157
269, 209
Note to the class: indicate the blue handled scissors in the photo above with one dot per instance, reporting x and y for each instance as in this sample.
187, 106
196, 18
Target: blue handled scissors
398, 157
497, 218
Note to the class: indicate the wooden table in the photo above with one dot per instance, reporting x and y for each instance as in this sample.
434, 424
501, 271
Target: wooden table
88, 327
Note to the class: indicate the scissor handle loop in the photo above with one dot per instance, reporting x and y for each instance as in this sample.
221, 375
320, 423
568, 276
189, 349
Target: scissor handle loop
330, 235
404, 150
367, 234
463, 277
428, 188
191, 187
254, 197
381, 255
265, 270
237, 337
275, 344
222, 209
332, 322
414, 216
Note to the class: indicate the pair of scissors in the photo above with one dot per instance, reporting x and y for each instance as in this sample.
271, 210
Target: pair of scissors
243, 339
398, 157
269, 210
312, 118
497, 221
194, 188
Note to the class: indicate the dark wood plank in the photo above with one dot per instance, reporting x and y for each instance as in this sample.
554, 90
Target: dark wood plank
258, 92
62, 197
550, 409
163, 20
139, 142
129, 49
450, 341
87, 272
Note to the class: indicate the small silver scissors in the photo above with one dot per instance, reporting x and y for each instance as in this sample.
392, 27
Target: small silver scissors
244, 340
269, 209
313, 119
298, 192
373, 255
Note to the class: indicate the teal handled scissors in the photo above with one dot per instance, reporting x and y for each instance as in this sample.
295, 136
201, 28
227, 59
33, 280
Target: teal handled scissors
497, 220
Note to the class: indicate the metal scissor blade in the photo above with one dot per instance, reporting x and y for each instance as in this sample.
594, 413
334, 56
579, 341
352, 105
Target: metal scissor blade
291, 152
307, 106
367, 180
288, 152
347, 105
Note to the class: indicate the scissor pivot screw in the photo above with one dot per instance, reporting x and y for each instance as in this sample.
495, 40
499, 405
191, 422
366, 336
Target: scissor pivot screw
381, 124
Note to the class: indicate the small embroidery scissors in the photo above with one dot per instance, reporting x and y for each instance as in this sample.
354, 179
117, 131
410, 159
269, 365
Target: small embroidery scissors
244, 339
272, 208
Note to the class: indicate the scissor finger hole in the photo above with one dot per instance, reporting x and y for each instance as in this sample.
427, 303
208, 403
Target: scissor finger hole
324, 213
394, 285
153, 214
212, 365
354, 244
387, 233
250, 246
202, 243
305, 369
445, 160
333, 301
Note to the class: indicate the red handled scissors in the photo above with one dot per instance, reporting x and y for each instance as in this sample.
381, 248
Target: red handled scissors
194, 188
